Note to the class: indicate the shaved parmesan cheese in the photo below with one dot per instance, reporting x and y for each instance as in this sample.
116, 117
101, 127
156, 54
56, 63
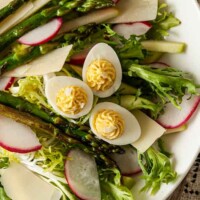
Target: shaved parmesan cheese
51, 62
37, 4
21, 184
136, 10
4, 3
97, 17
151, 131
14, 18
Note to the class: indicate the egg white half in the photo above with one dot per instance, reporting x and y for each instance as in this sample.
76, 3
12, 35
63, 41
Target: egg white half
104, 51
132, 130
56, 83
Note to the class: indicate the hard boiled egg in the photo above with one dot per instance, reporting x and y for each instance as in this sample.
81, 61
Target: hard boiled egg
114, 124
69, 97
102, 70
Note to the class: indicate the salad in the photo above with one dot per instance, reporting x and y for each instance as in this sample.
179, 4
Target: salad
84, 100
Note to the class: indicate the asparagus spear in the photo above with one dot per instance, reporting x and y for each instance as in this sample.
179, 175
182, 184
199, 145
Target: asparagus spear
46, 14
26, 55
38, 124
68, 128
10, 8
81, 38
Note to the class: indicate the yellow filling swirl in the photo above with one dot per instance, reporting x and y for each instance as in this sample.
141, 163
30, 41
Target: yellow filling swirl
71, 99
100, 75
109, 124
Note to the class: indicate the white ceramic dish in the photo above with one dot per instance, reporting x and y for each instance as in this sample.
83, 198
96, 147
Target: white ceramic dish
185, 145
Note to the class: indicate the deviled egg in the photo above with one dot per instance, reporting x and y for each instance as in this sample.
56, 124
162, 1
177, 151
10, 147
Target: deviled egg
102, 70
114, 124
69, 97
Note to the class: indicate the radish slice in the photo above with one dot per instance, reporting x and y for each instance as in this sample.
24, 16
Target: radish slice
174, 118
159, 65
42, 34
16, 137
127, 162
6, 82
82, 176
79, 58
128, 29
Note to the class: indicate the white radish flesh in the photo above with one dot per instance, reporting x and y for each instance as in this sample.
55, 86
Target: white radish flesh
42, 34
174, 118
6, 82
82, 176
16, 137
127, 162
136, 28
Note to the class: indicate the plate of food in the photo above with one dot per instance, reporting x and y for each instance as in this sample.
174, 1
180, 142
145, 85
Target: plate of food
98, 99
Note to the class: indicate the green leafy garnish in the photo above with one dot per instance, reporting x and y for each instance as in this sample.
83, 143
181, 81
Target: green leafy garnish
169, 83
31, 88
112, 189
156, 168
162, 24
3, 195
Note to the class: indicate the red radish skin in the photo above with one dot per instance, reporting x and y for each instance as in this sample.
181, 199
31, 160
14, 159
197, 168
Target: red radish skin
10, 83
6, 82
18, 138
79, 58
18, 150
159, 65
42, 34
174, 118
75, 155
127, 162
116, 1
135, 28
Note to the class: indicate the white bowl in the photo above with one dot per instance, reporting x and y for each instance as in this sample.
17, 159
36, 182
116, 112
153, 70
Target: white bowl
186, 145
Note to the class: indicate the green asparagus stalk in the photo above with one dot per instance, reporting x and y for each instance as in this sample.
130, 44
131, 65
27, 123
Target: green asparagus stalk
26, 55
47, 14
67, 127
11, 8
47, 128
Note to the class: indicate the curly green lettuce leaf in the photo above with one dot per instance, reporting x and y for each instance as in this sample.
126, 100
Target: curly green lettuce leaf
156, 168
131, 102
162, 24
169, 83
112, 188
3, 195
87, 36
49, 164
4, 162
6, 157
31, 88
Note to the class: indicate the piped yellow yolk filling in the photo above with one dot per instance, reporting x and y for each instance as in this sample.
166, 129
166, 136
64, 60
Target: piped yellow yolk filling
100, 75
71, 99
108, 124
